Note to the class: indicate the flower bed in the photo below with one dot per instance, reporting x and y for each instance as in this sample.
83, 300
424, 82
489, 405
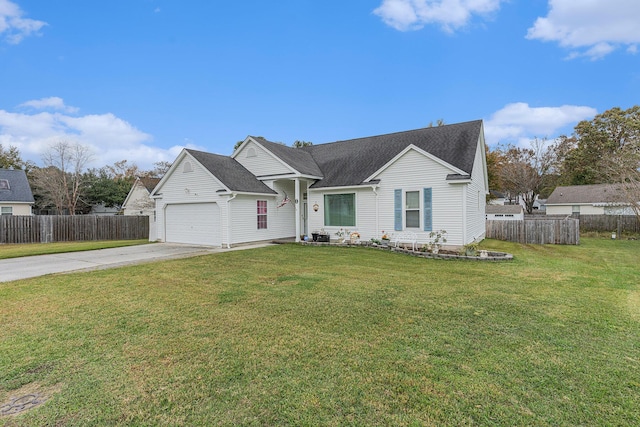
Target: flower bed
442, 254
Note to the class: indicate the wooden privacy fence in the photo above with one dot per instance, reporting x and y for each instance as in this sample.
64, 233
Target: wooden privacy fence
608, 223
565, 231
62, 228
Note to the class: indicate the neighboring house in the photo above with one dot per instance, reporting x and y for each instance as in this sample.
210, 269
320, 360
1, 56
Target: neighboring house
504, 213
139, 202
421, 181
499, 198
598, 199
15, 193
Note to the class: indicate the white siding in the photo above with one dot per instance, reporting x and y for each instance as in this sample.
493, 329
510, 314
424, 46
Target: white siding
139, 202
476, 200
413, 172
197, 186
365, 212
280, 221
505, 217
262, 163
21, 209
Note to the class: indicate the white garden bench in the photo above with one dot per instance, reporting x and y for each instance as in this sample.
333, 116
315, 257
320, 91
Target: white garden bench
405, 237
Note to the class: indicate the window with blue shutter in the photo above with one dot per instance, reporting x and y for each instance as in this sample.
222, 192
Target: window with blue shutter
428, 216
397, 209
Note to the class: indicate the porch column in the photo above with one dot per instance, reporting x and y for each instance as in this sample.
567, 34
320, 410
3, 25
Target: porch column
297, 202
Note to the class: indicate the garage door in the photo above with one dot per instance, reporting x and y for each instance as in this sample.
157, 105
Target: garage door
195, 223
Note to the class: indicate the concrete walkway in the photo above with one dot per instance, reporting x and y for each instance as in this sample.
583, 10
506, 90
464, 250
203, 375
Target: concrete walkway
40, 265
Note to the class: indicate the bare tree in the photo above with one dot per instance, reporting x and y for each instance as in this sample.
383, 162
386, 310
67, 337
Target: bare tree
525, 170
61, 179
123, 169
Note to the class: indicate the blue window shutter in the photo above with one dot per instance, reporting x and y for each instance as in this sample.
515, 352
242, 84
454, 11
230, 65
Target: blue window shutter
397, 209
428, 221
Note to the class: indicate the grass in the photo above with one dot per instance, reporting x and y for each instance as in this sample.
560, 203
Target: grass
296, 335
15, 251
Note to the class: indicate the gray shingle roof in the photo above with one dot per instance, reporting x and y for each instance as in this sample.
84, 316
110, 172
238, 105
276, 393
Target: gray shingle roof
231, 173
149, 183
577, 194
19, 189
351, 162
455, 144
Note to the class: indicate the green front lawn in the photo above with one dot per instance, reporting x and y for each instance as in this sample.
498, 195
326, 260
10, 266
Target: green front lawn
31, 249
299, 335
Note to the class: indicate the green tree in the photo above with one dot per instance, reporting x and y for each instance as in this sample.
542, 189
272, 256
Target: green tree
586, 156
10, 159
495, 162
102, 186
299, 144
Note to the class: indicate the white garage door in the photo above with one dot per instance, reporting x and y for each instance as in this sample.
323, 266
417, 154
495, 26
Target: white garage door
195, 223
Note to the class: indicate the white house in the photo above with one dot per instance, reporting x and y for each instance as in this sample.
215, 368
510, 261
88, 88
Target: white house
421, 181
139, 201
597, 199
16, 197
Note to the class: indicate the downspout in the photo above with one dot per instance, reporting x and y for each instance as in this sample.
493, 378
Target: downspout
228, 227
464, 214
373, 188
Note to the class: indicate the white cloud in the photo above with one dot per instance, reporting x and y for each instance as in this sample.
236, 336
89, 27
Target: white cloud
54, 103
451, 15
591, 28
13, 26
110, 138
518, 123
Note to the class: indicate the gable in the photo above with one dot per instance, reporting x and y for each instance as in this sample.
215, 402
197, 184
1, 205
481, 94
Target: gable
201, 168
420, 160
188, 177
259, 161
347, 163
137, 194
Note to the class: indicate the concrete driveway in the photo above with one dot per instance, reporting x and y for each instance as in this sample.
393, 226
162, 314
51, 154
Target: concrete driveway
40, 265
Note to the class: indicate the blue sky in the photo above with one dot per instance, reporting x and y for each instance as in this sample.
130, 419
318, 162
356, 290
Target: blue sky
141, 79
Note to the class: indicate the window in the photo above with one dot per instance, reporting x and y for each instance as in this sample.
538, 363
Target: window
412, 209
4, 184
262, 214
6, 210
340, 210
